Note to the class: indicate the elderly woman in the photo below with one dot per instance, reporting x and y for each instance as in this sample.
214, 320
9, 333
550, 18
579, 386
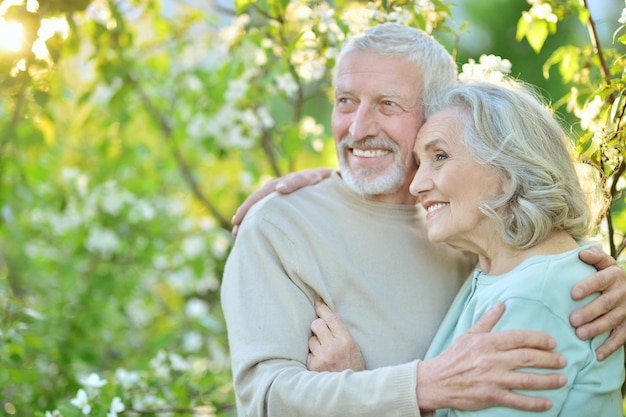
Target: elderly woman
521, 209
496, 177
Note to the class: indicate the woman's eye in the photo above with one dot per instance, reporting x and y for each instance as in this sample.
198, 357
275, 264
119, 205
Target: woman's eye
440, 156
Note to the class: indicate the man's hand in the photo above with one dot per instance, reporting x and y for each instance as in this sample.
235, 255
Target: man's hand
283, 185
478, 369
332, 348
608, 311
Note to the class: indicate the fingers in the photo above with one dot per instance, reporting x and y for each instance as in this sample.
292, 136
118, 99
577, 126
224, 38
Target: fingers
616, 340
610, 321
530, 381
511, 339
321, 330
523, 402
533, 358
489, 319
283, 185
608, 311
600, 281
595, 256
252, 199
296, 180
527, 382
474, 374
331, 319
598, 316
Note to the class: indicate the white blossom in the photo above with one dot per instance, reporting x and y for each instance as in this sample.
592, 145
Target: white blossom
237, 89
265, 118
400, 15
112, 199
589, 113
141, 210
357, 18
55, 413
93, 381
543, 11
325, 15
70, 173
308, 126
193, 246
220, 246
53, 26
286, 84
127, 379
299, 12
102, 241
622, 18
98, 10
81, 401
159, 365
228, 34
495, 63
116, 407
177, 362
489, 67
196, 308
192, 342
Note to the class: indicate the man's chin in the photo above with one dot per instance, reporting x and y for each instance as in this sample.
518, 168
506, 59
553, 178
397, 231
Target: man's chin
367, 187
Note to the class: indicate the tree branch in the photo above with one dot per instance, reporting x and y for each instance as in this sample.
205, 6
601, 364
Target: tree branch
595, 42
181, 162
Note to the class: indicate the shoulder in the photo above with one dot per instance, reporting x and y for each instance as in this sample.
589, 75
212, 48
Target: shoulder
281, 209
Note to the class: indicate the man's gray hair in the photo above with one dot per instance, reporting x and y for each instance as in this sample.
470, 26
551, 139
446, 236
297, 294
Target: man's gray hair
434, 64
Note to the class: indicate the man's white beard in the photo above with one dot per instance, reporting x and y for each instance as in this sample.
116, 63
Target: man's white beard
369, 181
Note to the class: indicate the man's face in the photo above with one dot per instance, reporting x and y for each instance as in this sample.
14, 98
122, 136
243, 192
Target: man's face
376, 117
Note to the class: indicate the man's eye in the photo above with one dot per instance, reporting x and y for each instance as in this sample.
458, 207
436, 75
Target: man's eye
389, 103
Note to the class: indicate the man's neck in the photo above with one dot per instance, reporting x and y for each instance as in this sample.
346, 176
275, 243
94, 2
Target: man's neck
399, 198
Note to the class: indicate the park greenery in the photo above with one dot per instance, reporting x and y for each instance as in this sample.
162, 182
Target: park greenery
132, 129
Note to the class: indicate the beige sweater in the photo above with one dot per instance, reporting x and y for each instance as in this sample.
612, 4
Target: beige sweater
371, 263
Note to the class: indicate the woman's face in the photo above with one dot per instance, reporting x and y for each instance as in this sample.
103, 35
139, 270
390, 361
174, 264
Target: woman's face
451, 185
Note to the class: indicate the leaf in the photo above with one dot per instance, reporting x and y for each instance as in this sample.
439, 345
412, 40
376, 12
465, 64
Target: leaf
568, 60
618, 106
537, 34
580, 11
523, 25
242, 5
70, 410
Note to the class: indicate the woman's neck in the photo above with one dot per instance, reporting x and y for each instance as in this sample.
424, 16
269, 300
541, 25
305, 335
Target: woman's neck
501, 258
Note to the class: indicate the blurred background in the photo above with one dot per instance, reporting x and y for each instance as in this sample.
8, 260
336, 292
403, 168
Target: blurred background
130, 131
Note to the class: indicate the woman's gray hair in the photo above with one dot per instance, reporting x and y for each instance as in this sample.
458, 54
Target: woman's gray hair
507, 126
434, 64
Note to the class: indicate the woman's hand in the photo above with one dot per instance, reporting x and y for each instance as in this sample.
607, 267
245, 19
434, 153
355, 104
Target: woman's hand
332, 348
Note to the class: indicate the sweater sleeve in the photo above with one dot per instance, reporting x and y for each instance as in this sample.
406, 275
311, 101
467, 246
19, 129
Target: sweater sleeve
269, 308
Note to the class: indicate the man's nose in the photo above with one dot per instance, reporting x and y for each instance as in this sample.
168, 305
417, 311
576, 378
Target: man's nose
364, 124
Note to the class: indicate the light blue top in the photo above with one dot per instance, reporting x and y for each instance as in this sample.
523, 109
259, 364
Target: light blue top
535, 297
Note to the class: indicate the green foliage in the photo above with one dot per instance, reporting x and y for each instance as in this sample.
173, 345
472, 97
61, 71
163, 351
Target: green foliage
125, 149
